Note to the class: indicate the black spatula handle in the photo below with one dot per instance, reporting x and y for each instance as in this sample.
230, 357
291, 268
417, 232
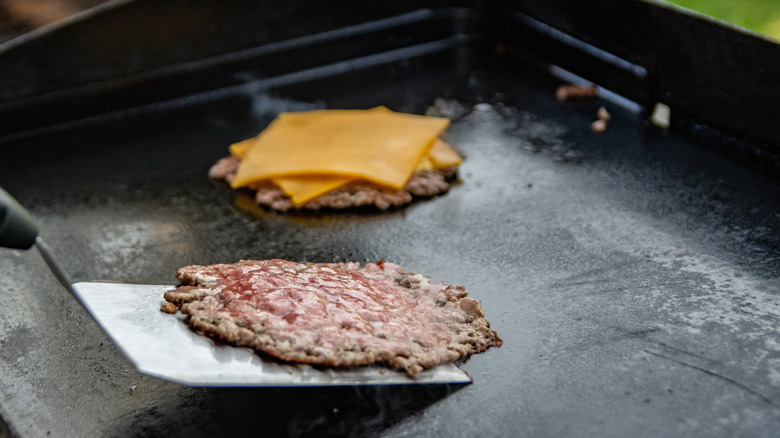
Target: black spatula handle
19, 231
17, 228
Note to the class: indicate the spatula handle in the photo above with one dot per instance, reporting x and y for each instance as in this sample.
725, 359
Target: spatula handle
17, 228
19, 231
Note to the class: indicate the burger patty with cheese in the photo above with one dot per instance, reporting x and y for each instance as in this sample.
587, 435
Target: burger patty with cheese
342, 158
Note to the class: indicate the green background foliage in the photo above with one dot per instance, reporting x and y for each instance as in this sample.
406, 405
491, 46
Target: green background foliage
762, 16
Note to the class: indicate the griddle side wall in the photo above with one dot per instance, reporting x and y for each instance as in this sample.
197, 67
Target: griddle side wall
719, 81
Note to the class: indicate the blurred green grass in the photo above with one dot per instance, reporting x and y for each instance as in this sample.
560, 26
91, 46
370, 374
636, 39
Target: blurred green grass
762, 16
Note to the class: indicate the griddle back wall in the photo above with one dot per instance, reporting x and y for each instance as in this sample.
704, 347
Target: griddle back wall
154, 84
715, 79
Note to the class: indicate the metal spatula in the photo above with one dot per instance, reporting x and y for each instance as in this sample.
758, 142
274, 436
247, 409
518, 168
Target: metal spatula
160, 345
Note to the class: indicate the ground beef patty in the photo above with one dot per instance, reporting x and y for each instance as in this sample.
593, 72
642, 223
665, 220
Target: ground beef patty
333, 314
422, 184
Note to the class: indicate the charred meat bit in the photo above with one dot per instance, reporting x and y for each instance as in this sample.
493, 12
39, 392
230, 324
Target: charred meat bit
576, 92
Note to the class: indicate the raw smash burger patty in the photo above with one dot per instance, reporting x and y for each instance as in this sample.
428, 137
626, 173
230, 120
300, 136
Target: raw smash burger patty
333, 314
425, 183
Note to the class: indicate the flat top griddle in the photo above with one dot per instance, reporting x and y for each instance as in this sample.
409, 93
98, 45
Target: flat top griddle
632, 275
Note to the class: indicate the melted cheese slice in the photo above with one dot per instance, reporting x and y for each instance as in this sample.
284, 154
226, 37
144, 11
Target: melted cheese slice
302, 188
239, 149
377, 145
440, 156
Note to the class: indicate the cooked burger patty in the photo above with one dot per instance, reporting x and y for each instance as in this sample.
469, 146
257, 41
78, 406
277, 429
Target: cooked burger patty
422, 184
333, 314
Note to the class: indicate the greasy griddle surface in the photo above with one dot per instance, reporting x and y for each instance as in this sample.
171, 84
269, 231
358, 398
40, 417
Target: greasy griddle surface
633, 276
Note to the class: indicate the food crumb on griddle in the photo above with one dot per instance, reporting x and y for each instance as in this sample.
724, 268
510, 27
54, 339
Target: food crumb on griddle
452, 109
568, 92
169, 307
603, 114
599, 126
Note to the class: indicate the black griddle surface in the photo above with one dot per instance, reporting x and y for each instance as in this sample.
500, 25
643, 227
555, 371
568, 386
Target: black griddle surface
633, 276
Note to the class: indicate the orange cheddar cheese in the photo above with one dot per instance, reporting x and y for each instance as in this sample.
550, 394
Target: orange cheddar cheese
440, 156
377, 145
239, 149
302, 188
311, 153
